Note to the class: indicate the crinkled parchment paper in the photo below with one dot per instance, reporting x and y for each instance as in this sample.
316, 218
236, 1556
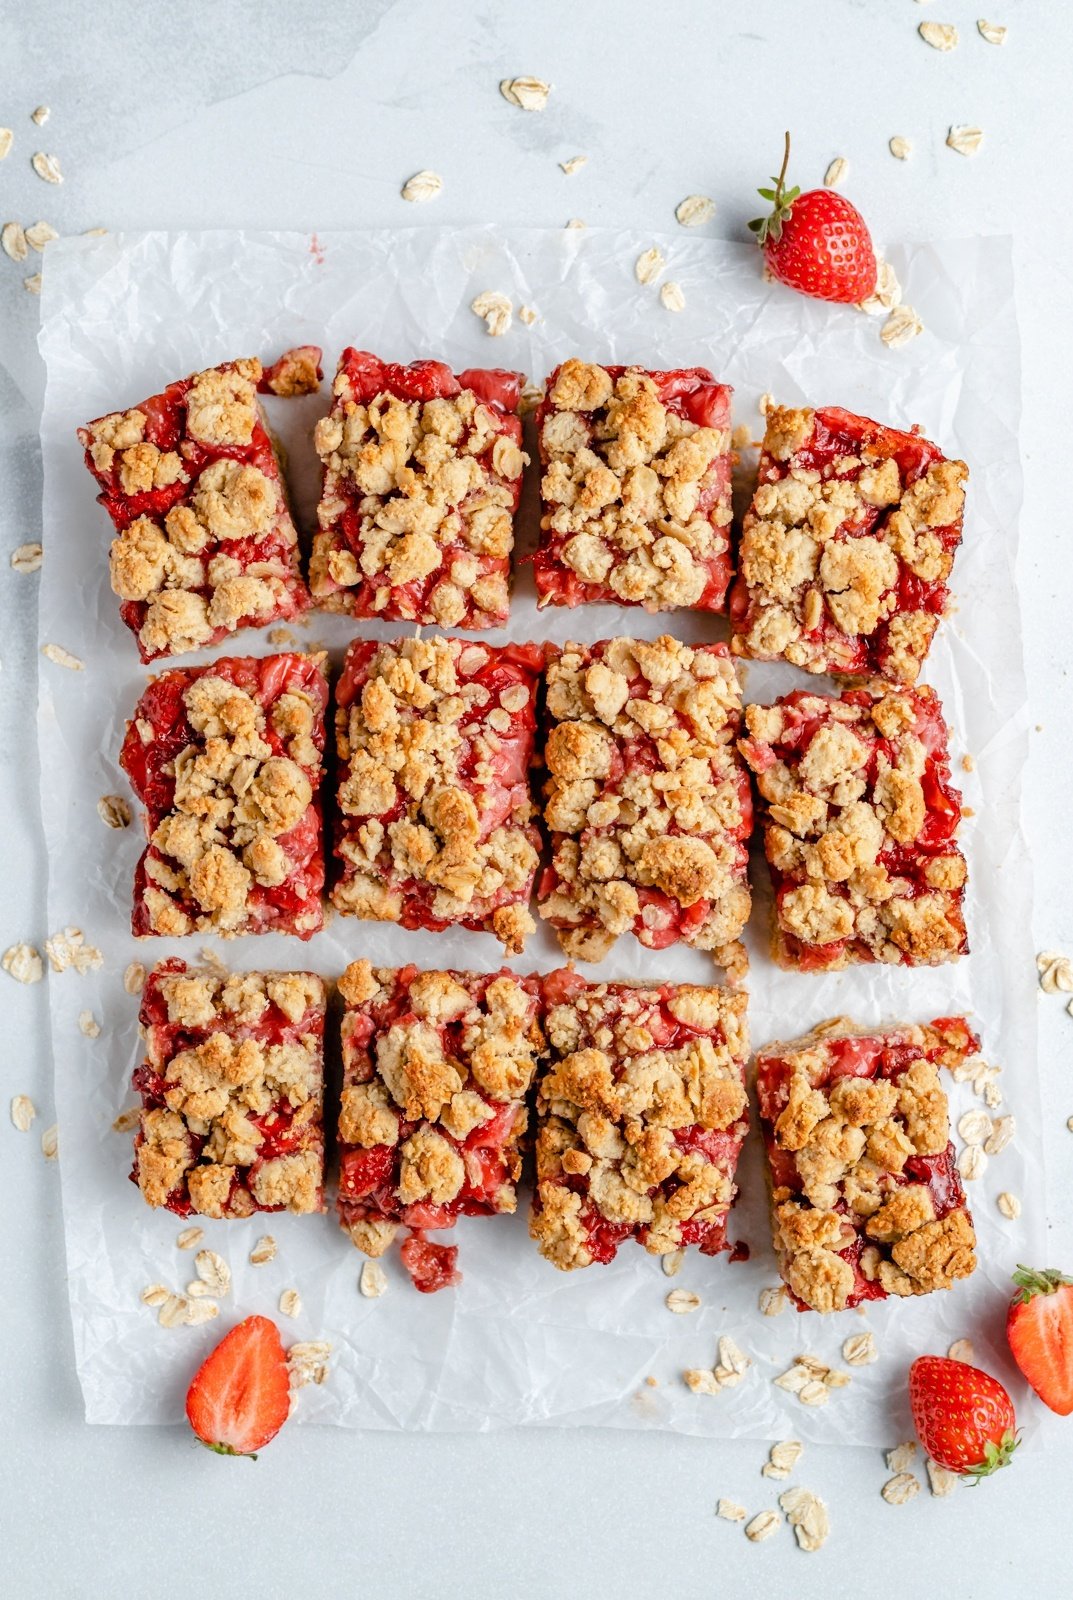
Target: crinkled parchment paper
519, 1342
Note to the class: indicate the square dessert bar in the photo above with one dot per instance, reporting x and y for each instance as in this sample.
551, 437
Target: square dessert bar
434, 824
204, 540
641, 1115
232, 1091
422, 476
636, 488
860, 828
865, 1193
227, 761
648, 800
847, 547
436, 1069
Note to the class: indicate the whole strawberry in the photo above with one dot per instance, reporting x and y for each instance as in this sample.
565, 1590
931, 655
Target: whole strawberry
1039, 1326
817, 242
963, 1416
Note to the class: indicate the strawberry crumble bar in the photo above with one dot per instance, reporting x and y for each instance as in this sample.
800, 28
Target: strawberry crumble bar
232, 1092
847, 547
641, 1116
635, 488
422, 476
204, 540
865, 1193
435, 740
648, 801
227, 760
436, 1069
860, 828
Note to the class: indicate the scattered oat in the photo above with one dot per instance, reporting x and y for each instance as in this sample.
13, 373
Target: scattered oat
967, 763
577, 223
807, 1516
189, 1239
965, 139
1055, 972
88, 1024
940, 1480
154, 1294
308, 1362
174, 1311
701, 1380
13, 241
528, 315
114, 812
972, 1163
134, 978
1009, 1205
859, 1350
901, 149
263, 1251
27, 558
1069, 1124
94, 233
772, 1301
835, 173
649, 265
32, 285
671, 297
672, 1263
7, 139
887, 293
290, 1303
730, 1511
40, 115
69, 949
765, 403
23, 963
61, 657
23, 1112
902, 325
528, 94
902, 1456
814, 1394
213, 1271
575, 164
40, 234
199, 1311
811, 1380
1002, 1131
974, 1126
424, 185
695, 210
902, 1487
495, 309
682, 1302
782, 1459
50, 1143
763, 1525
47, 167
993, 32
940, 35
963, 1350
733, 1363
373, 1280
127, 1120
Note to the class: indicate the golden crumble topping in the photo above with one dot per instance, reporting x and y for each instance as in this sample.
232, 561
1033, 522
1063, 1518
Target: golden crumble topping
864, 1185
636, 493
436, 735
845, 514
860, 825
638, 1076
647, 800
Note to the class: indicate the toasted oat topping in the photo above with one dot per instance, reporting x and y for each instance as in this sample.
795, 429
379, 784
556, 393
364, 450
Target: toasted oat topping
860, 828
638, 1074
421, 479
851, 1154
647, 801
436, 735
636, 483
232, 1093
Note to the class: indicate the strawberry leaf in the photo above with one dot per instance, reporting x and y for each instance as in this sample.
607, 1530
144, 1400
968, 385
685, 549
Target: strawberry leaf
1032, 1282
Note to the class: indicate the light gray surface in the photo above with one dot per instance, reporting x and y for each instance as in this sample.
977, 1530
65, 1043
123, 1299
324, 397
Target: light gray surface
311, 117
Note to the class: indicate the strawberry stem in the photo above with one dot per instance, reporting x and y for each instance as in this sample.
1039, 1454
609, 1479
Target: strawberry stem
1032, 1282
995, 1456
780, 199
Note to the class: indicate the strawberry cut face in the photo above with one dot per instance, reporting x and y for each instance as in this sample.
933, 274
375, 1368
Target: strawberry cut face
239, 1398
1039, 1327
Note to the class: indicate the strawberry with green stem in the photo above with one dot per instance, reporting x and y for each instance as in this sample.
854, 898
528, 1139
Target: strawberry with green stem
964, 1417
817, 243
240, 1397
1039, 1327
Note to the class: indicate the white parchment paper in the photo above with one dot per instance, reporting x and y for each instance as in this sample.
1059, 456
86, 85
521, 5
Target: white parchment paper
519, 1342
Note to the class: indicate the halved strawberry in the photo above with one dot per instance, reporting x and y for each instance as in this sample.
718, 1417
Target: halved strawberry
964, 1417
240, 1397
1039, 1326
